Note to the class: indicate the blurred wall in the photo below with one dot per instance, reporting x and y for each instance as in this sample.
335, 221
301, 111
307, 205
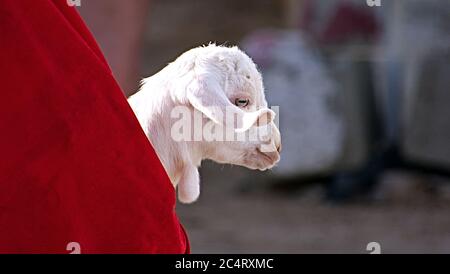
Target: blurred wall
175, 26
119, 26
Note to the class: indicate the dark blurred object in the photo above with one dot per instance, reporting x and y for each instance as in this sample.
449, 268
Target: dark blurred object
119, 27
426, 136
412, 77
350, 22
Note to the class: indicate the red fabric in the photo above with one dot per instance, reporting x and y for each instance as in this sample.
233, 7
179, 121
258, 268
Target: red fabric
74, 164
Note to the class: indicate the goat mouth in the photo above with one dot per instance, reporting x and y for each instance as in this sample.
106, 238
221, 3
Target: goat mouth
267, 157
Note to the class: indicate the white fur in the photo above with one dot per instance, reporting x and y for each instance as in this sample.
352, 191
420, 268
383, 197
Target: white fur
206, 80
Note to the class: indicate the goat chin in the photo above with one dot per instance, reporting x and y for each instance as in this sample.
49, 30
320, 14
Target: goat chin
198, 79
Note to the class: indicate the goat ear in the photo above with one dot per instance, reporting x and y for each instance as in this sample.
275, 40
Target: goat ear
261, 117
207, 96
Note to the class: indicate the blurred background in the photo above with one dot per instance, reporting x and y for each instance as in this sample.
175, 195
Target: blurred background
364, 97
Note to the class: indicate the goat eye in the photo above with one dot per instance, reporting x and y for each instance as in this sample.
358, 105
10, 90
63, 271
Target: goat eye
242, 102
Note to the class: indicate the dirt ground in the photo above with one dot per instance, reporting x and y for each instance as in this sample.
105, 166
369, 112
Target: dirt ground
403, 218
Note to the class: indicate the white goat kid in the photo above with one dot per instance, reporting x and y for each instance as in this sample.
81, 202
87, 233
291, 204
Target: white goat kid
211, 81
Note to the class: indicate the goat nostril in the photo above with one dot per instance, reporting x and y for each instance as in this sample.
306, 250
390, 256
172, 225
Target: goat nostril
279, 147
